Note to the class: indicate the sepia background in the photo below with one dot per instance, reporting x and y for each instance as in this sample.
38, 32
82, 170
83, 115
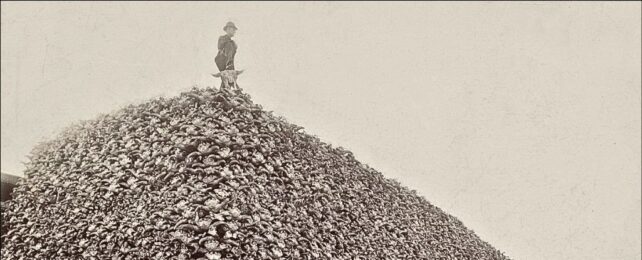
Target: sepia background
520, 119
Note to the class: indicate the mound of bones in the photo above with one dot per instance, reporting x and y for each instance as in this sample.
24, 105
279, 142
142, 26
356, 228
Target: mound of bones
208, 174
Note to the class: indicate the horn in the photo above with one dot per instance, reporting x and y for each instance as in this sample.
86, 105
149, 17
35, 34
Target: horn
238, 72
217, 75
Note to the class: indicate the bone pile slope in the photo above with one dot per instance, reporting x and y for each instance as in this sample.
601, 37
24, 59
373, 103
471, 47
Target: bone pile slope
209, 174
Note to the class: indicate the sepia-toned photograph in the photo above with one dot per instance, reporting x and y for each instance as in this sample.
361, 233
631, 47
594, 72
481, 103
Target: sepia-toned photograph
209, 130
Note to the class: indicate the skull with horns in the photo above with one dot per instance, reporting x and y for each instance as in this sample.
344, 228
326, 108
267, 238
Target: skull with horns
228, 78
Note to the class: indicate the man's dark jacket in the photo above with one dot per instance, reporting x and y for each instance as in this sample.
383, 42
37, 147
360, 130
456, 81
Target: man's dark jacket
226, 51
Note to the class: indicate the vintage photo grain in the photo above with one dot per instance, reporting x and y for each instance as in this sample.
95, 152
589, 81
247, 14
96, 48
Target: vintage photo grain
320, 130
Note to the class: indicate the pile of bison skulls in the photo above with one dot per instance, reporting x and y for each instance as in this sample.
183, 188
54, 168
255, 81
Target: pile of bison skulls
208, 174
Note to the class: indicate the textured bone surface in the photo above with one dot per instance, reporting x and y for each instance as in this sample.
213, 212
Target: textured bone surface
208, 174
228, 79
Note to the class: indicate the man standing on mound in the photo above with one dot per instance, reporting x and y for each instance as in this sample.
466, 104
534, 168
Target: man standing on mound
226, 48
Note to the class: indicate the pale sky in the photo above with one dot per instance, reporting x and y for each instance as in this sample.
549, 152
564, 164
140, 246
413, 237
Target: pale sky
520, 119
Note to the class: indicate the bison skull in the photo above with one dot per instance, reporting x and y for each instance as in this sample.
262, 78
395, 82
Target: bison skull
228, 78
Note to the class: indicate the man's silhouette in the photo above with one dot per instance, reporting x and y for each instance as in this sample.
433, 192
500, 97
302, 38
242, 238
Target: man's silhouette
226, 48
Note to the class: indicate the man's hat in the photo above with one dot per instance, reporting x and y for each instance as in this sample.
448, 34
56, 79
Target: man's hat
229, 24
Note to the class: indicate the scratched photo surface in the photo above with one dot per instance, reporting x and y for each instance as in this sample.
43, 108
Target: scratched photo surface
520, 119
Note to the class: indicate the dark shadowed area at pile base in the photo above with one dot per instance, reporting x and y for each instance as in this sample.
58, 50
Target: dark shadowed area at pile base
208, 174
